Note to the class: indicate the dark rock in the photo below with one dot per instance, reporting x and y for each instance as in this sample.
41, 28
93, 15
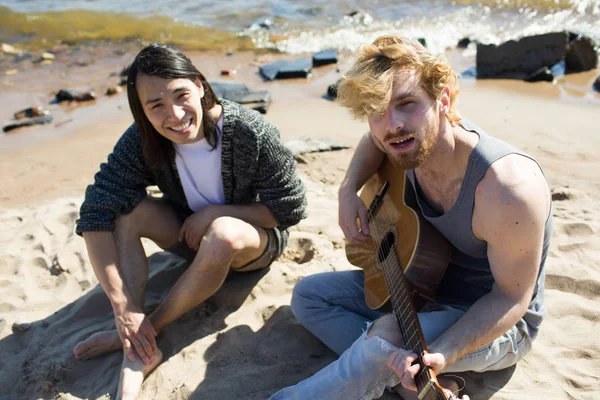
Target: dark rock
301, 145
267, 23
228, 72
258, 100
360, 16
354, 13
324, 57
300, 68
283, 69
31, 112
71, 95
246, 97
332, 90
123, 82
221, 87
582, 55
562, 194
596, 84
519, 59
24, 56
463, 43
270, 71
34, 121
260, 107
113, 89
422, 41
542, 74
21, 327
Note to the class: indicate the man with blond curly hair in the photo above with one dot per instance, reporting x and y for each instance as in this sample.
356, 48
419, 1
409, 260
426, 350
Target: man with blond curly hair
487, 198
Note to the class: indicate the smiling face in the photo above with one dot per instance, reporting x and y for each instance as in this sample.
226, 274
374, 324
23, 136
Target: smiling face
408, 129
173, 107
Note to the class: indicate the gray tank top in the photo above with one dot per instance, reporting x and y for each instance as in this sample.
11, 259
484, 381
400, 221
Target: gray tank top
469, 276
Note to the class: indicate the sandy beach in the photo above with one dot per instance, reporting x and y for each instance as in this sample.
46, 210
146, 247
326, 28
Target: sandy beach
244, 342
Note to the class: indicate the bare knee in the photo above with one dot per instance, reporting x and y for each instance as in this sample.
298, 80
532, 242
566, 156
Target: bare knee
224, 239
387, 329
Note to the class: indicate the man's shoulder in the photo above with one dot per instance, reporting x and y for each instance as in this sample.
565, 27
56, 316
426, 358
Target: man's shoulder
512, 185
513, 172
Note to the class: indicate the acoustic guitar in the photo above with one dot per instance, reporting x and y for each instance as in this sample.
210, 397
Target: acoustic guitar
406, 256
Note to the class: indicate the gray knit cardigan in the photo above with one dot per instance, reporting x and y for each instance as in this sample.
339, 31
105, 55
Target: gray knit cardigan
256, 167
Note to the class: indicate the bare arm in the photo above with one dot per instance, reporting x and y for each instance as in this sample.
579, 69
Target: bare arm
364, 164
134, 328
512, 205
102, 251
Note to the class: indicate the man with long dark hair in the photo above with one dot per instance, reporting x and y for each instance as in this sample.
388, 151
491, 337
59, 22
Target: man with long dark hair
230, 193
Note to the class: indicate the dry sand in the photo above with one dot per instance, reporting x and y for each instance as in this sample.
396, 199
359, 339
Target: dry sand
244, 342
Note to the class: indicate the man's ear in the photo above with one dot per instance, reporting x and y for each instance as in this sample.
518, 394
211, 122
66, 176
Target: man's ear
444, 100
198, 83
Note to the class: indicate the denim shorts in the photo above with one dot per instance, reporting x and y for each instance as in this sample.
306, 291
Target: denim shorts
269, 255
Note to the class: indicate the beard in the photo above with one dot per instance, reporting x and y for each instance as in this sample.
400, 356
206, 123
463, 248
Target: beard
425, 143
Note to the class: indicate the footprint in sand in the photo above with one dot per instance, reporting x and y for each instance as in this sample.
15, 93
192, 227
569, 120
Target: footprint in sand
587, 288
578, 235
304, 247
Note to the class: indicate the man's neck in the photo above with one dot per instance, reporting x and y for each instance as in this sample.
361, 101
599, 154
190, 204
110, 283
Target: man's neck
442, 173
441, 164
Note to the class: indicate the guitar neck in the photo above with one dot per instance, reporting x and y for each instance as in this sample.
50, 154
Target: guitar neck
408, 322
400, 294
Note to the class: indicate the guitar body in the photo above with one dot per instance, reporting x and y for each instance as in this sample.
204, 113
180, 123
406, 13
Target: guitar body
423, 252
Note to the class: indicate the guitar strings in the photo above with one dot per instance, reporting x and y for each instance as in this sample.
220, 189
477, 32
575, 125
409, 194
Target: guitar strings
414, 341
405, 310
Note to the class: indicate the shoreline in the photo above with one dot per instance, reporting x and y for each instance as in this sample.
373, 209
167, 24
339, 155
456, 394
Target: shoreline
88, 131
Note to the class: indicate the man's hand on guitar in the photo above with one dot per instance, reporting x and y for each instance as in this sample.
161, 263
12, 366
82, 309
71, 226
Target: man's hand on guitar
401, 362
351, 210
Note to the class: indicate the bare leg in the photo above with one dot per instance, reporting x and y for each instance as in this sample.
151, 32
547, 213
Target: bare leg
228, 242
152, 219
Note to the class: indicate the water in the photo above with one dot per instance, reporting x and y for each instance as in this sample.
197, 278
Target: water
293, 26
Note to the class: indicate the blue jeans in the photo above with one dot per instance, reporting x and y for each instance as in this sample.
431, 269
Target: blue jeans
332, 306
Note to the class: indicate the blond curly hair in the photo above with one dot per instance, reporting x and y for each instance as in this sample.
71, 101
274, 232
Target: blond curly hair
366, 89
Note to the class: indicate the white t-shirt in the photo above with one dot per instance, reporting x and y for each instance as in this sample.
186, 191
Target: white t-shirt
200, 171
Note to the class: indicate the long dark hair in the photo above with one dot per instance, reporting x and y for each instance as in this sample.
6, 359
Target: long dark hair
168, 63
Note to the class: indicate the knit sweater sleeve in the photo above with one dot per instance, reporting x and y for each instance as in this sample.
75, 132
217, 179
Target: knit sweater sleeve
118, 187
277, 184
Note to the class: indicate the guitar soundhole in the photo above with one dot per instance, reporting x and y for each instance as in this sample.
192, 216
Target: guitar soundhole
385, 246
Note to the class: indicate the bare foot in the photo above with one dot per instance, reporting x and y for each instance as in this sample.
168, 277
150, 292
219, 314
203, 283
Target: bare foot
98, 344
133, 374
